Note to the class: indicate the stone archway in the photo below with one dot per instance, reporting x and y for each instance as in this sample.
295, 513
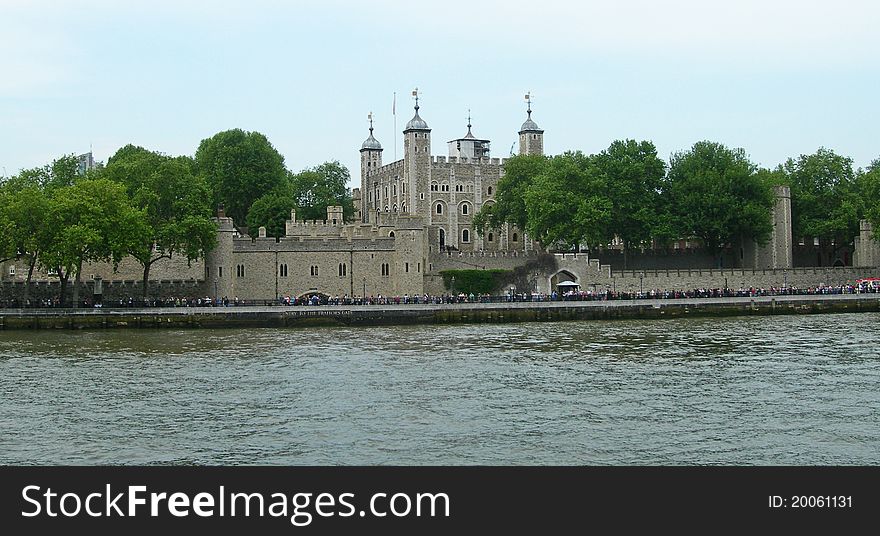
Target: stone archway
568, 281
309, 294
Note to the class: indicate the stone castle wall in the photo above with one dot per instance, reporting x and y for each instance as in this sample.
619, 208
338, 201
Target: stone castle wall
592, 276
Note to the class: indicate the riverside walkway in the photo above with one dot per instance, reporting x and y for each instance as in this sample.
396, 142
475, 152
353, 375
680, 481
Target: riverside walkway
451, 313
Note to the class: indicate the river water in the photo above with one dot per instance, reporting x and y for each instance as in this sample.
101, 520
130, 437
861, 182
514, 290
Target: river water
790, 390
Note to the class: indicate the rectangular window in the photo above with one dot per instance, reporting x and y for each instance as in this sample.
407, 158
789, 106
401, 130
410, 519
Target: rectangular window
12, 270
219, 271
406, 269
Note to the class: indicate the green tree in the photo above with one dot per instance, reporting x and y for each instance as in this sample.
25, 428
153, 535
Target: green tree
239, 167
825, 199
91, 220
272, 211
869, 188
510, 205
317, 188
176, 204
566, 204
310, 192
24, 209
715, 194
633, 174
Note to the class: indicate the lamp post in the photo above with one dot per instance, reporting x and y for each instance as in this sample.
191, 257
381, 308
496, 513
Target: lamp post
215, 290
453, 285
365, 290
640, 285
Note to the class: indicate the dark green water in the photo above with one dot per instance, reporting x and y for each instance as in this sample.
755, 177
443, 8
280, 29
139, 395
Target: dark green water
792, 390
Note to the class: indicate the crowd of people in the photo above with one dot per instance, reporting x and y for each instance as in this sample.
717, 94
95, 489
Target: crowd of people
460, 297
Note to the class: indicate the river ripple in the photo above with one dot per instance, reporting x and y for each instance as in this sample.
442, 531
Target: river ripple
791, 390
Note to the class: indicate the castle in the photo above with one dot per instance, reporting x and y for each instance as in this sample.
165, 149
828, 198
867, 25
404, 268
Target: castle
414, 219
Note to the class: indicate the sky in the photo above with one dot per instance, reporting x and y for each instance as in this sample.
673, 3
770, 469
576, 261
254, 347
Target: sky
778, 78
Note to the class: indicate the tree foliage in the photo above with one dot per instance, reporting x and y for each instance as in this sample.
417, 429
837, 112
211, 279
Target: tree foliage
25, 202
240, 167
714, 193
633, 174
567, 203
310, 192
510, 204
175, 203
825, 199
272, 211
90, 221
869, 187
475, 281
317, 188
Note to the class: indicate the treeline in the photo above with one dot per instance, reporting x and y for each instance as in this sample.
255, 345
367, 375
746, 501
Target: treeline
151, 206
710, 192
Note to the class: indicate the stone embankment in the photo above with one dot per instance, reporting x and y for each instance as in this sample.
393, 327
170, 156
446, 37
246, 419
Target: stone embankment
372, 315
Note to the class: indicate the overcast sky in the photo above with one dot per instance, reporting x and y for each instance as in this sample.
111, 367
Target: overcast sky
778, 78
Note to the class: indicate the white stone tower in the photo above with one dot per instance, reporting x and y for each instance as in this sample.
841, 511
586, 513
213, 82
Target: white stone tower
531, 138
371, 160
416, 162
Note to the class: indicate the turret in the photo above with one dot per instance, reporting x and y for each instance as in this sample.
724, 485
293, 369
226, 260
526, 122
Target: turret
531, 138
417, 161
371, 160
469, 146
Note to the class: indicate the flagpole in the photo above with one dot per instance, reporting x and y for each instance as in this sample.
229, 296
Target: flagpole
394, 113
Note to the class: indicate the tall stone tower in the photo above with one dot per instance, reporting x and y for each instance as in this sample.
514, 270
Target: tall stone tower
416, 162
777, 253
531, 138
371, 160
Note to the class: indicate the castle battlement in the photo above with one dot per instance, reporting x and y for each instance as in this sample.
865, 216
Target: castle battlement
311, 245
387, 167
465, 160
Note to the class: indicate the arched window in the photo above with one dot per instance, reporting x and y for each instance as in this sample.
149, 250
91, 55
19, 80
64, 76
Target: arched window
391, 234
464, 209
403, 208
439, 208
490, 190
343, 269
465, 236
515, 237
442, 239
491, 237
394, 208
386, 208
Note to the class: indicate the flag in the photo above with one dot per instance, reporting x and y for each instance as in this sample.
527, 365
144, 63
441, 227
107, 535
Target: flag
394, 104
